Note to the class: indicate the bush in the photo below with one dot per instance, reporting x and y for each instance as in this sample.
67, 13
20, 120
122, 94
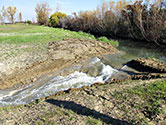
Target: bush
145, 21
55, 18
29, 21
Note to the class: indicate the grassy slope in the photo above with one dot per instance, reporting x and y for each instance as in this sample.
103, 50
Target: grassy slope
150, 99
152, 105
28, 33
30, 40
20, 33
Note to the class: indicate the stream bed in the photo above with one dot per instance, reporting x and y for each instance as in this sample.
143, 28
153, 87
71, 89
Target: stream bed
95, 70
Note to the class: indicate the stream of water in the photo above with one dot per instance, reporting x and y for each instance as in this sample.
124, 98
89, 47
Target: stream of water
49, 85
96, 70
142, 49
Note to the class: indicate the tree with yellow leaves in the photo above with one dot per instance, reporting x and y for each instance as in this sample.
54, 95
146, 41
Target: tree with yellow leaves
11, 12
43, 11
55, 18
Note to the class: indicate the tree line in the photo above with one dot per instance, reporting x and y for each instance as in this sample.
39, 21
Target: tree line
141, 20
9, 14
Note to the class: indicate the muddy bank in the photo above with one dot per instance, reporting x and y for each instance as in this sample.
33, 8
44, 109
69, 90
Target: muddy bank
78, 106
60, 55
148, 65
79, 49
88, 105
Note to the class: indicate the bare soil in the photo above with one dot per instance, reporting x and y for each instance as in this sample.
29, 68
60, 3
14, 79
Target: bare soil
88, 105
96, 104
61, 54
148, 65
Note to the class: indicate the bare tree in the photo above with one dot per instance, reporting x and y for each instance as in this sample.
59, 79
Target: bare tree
3, 15
43, 11
146, 20
20, 17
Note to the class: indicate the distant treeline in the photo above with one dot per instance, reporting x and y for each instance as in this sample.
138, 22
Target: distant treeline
141, 20
145, 21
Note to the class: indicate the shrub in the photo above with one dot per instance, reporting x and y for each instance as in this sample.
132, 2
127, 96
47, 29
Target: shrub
141, 20
55, 18
29, 21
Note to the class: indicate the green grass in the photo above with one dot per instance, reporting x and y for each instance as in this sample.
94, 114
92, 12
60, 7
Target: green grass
93, 121
21, 33
69, 115
106, 40
153, 96
38, 34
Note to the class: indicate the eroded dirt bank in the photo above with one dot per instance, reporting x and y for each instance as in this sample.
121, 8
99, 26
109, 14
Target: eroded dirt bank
148, 65
60, 55
97, 104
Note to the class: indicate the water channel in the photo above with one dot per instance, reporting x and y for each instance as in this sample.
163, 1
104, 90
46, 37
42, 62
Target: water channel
95, 70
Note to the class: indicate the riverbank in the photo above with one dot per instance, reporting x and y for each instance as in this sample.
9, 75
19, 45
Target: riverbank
28, 52
139, 99
129, 97
125, 102
61, 55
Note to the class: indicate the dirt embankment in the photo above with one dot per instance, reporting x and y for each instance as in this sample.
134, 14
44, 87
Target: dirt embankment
97, 104
149, 65
88, 105
60, 55
68, 52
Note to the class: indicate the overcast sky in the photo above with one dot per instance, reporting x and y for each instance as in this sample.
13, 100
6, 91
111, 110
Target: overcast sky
27, 7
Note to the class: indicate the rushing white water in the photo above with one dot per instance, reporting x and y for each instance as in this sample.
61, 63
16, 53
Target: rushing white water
52, 85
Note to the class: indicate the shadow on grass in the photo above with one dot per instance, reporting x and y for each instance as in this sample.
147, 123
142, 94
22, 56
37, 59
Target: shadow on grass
82, 110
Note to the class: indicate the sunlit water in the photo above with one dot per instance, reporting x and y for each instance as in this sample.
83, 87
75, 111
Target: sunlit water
142, 49
50, 85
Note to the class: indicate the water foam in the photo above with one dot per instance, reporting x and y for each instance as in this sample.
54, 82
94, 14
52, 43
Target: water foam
56, 84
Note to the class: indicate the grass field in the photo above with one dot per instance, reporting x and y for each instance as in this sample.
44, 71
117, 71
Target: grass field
20, 38
39, 34
22, 45
21, 33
